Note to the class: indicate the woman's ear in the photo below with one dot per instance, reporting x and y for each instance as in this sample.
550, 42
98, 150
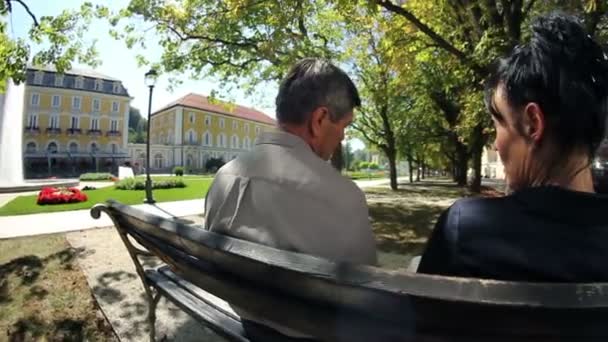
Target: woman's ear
535, 122
316, 121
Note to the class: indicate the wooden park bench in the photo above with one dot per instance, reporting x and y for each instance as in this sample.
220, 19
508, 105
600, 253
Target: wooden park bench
342, 302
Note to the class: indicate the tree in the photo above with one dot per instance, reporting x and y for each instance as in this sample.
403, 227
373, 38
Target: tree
61, 36
473, 34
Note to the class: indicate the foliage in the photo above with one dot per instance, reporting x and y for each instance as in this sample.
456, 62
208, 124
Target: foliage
178, 170
140, 184
373, 166
60, 36
214, 164
96, 176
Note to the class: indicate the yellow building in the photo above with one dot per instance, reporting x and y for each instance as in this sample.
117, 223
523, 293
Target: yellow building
73, 122
191, 130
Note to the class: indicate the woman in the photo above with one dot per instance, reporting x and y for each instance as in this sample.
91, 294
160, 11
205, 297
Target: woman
548, 101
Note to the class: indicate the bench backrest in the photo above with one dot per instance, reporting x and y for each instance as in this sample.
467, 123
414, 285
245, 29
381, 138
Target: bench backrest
337, 301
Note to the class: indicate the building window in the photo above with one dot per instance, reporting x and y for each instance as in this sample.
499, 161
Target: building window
191, 117
257, 130
98, 85
73, 147
114, 148
158, 161
76, 101
74, 124
94, 148
96, 105
52, 147
246, 128
54, 121
220, 140
115, 107
56, 102
35, 99
30, 147
191, 138
235, 142
207, 139
58, 80
94, 124
114, 125
221, 122
207, 120
32, 121
116, 88
246, 143
78, 82
38, 77
235, 125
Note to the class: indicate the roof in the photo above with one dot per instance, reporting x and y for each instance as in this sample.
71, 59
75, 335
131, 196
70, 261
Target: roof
197, 101
75, 71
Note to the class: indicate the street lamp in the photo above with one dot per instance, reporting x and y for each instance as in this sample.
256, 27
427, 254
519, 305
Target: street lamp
150, 83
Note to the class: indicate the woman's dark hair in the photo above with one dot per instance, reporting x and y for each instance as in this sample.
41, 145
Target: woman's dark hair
565, 72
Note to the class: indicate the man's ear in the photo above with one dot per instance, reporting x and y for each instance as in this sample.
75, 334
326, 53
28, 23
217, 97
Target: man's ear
535, 122
316, 120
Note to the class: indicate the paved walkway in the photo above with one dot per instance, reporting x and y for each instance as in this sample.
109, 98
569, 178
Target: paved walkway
35, 224
65, 221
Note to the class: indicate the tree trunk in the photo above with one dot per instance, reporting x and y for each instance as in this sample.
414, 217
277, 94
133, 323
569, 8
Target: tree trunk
392, 163
336, 158
410, 164
423, 170
418, 170
477, 151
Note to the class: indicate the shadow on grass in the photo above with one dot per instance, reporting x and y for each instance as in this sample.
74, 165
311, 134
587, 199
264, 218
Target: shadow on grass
403, 229
34, 310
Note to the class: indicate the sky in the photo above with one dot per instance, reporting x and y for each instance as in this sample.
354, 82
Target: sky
118, 61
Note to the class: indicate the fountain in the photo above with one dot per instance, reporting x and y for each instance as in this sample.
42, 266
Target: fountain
11, 135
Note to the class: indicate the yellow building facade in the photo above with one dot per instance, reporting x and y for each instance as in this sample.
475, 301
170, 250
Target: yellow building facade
73, 122
193, 129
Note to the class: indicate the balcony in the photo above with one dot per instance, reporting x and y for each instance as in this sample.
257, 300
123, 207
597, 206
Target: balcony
32, 130
74, 131
113, 133
53, 131
94, 132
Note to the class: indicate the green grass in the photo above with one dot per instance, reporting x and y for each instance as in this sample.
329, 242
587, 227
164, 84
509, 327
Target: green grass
43, 294
366, 175
196, 187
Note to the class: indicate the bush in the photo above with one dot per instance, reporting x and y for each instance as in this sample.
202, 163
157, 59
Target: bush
373, 166
140, 184
213, 164
178, 170
96, 176
50, 195
363, 165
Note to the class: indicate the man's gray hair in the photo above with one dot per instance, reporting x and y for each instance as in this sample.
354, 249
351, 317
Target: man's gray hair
312, 83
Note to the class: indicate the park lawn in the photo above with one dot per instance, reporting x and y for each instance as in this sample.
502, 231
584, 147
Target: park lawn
196, 187
43, 294
366, 175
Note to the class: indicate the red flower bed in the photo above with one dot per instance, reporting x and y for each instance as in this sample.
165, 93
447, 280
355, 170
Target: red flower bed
51, 195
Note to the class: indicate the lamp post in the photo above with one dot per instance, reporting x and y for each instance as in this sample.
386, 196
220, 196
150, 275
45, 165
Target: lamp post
150, 83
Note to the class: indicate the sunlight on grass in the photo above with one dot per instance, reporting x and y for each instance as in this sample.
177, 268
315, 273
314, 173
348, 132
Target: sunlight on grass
196, 187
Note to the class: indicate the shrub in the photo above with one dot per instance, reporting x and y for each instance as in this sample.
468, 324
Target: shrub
363, 165
140, 184
178, 170
213, 164
96, 176
373, 166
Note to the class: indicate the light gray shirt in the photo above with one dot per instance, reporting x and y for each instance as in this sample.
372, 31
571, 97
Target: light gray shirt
283, 195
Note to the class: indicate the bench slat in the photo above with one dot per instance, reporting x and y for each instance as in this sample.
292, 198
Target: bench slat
203, 295
216, 320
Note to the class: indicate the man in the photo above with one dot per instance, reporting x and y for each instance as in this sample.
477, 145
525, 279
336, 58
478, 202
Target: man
284, 193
